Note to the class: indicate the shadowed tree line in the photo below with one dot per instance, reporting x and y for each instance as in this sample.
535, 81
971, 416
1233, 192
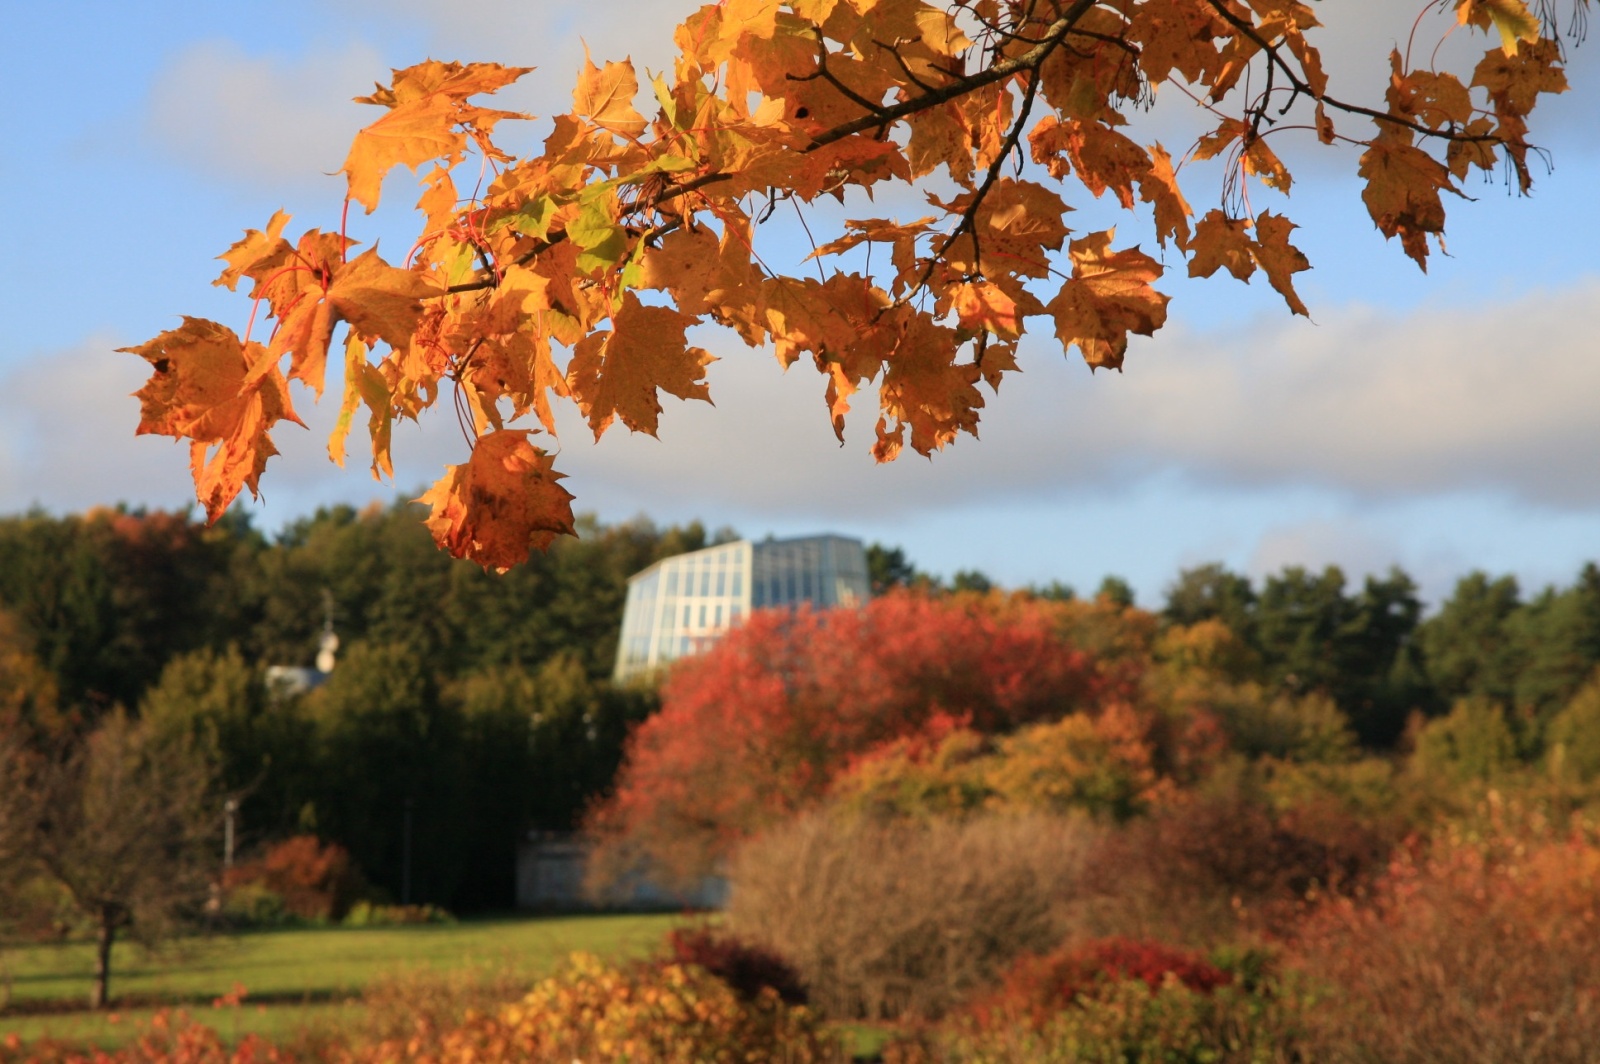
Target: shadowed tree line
482, 703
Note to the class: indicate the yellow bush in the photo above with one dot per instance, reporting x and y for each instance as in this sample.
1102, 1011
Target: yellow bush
641, 1014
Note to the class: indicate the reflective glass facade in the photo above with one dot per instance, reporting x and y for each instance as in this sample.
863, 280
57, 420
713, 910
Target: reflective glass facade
680, 605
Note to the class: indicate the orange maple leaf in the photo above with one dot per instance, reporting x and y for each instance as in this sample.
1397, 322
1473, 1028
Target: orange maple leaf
427, 102
382, 302
1107, 297
502, 504
617, 372
926, 388
1402, 193
199, 392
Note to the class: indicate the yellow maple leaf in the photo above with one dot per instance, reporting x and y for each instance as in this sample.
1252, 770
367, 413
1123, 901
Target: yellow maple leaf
503, 503
605, 96
1511, 18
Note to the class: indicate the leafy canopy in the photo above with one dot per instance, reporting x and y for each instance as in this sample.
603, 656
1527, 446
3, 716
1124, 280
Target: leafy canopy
575, 274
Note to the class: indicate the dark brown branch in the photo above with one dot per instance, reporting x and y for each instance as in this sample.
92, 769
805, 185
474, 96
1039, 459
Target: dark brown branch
969, 217
1028, 60
831, 78
1247, 28
876, 118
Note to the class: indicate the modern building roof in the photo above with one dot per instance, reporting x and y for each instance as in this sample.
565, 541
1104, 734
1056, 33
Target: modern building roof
680, 605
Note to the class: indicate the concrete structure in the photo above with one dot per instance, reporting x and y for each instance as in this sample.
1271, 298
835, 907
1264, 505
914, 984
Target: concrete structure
551, 867
680, 605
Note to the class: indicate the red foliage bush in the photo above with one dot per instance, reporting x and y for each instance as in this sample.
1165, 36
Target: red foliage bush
756, 729
1037, 988
745, 968
316, 880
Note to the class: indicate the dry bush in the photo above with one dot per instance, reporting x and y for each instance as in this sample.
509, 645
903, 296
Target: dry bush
1213, 866
885, 919
1477, 950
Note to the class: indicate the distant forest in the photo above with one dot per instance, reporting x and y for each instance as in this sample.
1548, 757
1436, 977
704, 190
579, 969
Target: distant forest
483, 704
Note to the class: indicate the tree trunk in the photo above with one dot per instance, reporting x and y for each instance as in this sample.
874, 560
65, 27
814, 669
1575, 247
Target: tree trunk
100, 994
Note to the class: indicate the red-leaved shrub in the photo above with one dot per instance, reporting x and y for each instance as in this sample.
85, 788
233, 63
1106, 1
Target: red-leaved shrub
745, 968
1036, 988
757, 728
316, 879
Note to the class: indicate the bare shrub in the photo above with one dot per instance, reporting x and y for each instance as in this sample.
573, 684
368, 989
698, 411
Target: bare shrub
887, 919
1216, 865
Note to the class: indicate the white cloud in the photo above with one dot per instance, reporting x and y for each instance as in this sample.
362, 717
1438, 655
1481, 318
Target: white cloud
1497, 398
268, 119
66, 435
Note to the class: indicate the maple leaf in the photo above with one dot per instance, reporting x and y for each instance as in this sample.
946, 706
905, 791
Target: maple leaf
1221, 242
1402, 193
605, 97
382, 302
1279, 259
1102, 157
616, 372
1159, 188
1515, 82
199, 392
426, 103
1434, 99
1107, 297
364, 383
257, 254
984, 307
1511, 18
924, 387
503, 503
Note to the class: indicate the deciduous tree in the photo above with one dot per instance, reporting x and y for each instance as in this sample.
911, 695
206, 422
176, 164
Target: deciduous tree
125, 826
575, 274
758, 727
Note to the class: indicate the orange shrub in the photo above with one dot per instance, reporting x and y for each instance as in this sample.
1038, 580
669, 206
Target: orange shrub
1476, 948
316, 880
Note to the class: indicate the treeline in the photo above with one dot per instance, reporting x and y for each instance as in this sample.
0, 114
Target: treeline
1369, 646
475, 707
470, 706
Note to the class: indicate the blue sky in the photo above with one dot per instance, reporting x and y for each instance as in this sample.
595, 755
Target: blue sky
1440, 422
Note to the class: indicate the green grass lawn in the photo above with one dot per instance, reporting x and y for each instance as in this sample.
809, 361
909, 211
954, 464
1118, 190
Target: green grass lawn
303, 974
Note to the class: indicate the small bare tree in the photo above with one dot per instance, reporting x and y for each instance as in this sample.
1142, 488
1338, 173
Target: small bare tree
125, 825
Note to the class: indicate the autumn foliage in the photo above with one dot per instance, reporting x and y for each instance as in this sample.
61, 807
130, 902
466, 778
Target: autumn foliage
316, 880
576, 274
757, 728
1036, 988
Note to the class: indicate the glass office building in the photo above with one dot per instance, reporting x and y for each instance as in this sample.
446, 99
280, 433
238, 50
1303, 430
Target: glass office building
681, 605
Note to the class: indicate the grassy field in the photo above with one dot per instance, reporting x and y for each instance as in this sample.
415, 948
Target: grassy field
293, 977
